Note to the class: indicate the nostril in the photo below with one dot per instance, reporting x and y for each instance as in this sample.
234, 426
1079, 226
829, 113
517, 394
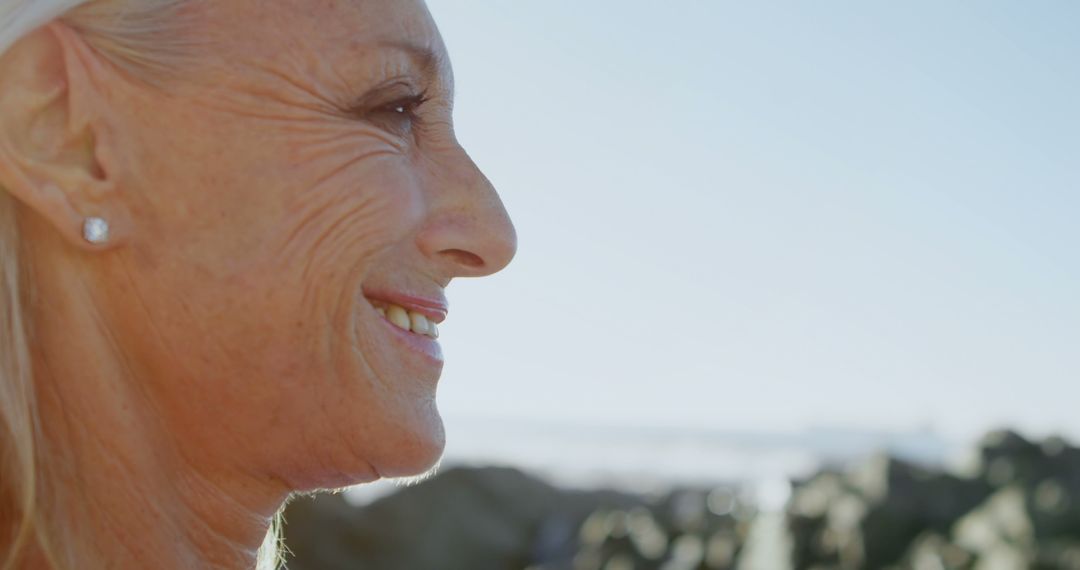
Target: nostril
462, 257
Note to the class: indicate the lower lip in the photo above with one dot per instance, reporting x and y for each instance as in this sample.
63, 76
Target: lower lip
420, 344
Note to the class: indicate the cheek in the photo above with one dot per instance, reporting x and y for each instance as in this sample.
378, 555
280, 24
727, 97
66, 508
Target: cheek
326, 242
364, 403
351, 220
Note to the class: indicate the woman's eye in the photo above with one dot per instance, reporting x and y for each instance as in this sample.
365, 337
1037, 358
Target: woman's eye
397, 117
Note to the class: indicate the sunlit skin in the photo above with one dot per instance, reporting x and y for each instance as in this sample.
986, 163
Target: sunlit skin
222, 350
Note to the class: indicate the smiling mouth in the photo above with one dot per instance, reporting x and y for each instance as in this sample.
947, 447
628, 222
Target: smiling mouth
406, 320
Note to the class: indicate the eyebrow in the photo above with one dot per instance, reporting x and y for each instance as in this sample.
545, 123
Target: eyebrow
425, 58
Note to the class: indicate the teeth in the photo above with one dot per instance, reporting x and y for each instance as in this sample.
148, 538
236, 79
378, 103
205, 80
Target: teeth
398, 316
409, 321
419, 323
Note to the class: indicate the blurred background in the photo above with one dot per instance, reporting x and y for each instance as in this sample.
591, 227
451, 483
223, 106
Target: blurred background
782, 265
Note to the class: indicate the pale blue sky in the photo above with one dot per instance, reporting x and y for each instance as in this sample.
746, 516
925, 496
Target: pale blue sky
769, 215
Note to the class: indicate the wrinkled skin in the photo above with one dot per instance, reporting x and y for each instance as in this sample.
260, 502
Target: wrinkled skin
308, 160
271, 204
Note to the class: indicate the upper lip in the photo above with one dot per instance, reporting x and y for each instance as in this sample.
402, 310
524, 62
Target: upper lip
433, 307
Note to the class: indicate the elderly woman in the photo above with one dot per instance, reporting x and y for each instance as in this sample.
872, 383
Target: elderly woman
227, 226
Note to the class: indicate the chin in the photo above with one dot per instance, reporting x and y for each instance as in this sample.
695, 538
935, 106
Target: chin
414, 449
399, 446
401, 450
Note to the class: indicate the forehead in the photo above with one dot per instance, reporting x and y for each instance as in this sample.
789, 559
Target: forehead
340, 35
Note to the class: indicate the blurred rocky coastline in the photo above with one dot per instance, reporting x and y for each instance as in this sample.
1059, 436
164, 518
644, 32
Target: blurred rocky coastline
1015, 506
500, 518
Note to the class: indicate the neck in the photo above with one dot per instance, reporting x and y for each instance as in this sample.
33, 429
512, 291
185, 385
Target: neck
116, 476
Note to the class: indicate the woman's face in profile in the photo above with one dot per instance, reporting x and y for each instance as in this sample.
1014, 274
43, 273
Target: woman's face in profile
286, 192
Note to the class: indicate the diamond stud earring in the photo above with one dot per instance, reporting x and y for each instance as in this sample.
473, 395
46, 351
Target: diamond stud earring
96, 231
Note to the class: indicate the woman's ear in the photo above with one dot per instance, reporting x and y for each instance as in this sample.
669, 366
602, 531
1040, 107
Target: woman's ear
53, 141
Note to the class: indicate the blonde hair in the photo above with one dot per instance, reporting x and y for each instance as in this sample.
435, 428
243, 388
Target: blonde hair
140, 37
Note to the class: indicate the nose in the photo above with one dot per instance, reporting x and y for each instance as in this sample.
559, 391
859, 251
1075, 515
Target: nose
469, 232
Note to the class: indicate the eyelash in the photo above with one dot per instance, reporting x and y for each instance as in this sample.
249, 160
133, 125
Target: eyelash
408, 105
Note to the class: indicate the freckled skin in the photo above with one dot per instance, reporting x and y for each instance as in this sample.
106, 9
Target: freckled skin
261, 210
